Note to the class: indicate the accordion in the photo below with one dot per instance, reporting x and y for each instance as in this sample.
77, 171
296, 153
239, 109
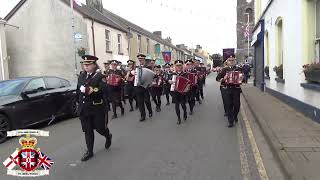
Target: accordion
157, 81
233, 78
181, 84
131, 78
193, 78
113, 80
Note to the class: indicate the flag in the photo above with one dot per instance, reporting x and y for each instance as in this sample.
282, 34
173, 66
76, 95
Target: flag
166, 56
246, 31
44, 161
12, 160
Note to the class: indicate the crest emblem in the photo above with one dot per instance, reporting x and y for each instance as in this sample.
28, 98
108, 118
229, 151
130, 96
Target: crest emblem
28, 161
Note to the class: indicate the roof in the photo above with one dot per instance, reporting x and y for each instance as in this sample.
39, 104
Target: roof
131, 26
85, 10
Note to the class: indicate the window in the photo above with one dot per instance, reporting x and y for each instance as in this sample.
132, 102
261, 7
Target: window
148, 46
53, 83
139, 43
36, 84
107, 36
279, 41
65, 83
119, 44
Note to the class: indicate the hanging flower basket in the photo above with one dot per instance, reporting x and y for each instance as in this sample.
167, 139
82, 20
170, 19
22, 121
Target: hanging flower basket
312, 72
81, 51
279, 71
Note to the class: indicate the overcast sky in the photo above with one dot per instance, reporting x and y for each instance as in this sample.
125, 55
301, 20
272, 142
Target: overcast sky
210, 23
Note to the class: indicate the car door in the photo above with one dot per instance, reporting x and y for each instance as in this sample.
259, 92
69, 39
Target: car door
56, 95
35, 101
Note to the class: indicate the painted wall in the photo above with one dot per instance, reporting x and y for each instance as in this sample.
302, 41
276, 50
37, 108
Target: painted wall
4, 74
296, 47
100, 42
43, 44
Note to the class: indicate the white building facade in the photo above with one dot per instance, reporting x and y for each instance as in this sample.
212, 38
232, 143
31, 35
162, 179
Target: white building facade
291, 35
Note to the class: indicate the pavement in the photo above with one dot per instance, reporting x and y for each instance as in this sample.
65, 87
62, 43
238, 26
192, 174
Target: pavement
203, 148
294, 139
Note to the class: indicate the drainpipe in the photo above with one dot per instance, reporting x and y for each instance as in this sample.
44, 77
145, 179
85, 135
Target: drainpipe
93, 41
1, 60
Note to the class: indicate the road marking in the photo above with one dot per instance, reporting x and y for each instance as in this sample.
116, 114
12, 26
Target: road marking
245, 171
256, 153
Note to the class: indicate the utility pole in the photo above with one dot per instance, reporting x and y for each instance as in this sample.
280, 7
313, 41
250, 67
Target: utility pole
73, 38
248, 23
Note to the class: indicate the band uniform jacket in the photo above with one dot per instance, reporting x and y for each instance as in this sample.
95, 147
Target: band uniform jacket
222, 74
176, 96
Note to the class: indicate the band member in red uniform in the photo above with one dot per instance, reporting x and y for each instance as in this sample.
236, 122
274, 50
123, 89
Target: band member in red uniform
193, 91
232, 92
156, 87
91, 96
199, 85
142, 93
178, 97
130, 83
114, 87
167, 74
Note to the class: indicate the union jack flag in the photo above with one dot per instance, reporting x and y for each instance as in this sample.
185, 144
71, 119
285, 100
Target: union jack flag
246, 31
44, 161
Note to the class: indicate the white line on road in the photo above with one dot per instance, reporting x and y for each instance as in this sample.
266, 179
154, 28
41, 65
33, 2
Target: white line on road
256, 153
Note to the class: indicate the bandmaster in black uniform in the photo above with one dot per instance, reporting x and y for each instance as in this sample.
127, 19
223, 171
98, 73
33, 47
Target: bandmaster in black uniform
92, 95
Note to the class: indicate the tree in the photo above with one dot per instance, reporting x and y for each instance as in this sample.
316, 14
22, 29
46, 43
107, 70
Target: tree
216, 59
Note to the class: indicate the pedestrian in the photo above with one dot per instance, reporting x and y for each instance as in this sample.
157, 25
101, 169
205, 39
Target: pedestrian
92, 98
114, 82
130, 83
178, 97
232, 92
142, 93
246, 72
156, 87
166, 85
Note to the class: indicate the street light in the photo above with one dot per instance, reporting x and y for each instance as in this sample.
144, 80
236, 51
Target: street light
248, 22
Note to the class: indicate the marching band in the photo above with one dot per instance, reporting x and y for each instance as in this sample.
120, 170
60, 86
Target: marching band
183, 81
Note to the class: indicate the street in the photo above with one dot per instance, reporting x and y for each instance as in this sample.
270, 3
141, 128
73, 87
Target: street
203, 148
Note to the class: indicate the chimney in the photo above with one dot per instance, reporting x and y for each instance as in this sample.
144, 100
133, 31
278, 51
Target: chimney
168, 39
158, 34
95, 4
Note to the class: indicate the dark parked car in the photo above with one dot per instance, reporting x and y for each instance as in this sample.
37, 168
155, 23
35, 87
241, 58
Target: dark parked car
30, 100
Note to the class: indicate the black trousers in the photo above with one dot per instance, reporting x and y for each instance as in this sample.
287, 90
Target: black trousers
180, 99
143, 98
232, 100
223, 95
166, 92
156, 93
97, 120
192, 97
201, 84
131, 94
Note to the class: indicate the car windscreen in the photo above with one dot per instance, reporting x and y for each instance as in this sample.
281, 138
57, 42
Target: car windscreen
11, 87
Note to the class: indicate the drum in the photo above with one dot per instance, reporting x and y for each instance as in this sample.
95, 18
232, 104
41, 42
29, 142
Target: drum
114, 80
234, 78
182, 84
193, 78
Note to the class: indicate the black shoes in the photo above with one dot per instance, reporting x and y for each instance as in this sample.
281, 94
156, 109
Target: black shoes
230, 125
108, 141
122, 111
87, 156
167, 104
179, 121
191, 112
131, 109
142, 119
200, 102
236, 120
150, 114
158, 109
185, 116
115, 116
225, 114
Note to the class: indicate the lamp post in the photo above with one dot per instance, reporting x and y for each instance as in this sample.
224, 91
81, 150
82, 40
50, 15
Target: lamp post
248, 22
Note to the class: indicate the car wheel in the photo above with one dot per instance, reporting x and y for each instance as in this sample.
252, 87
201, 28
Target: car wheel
4, 127
74, 109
